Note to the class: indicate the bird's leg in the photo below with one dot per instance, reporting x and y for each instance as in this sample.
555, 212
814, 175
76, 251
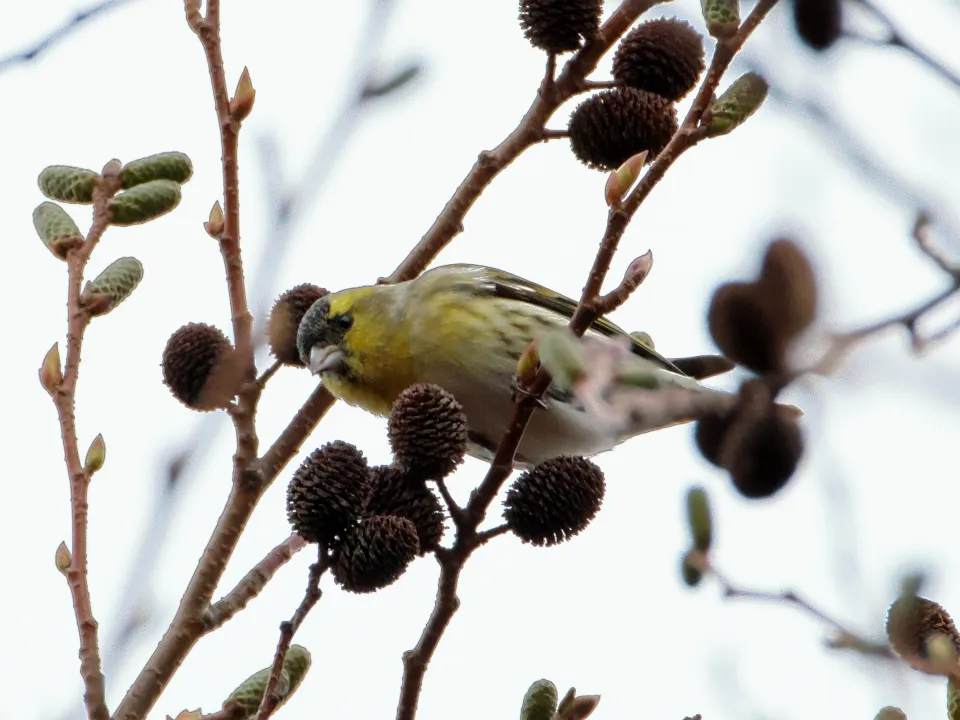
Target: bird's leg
517, 392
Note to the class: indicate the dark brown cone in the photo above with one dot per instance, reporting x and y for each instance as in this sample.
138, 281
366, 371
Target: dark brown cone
753, 323
788, 283
558, 26
554, 500
198, 364
819, 23
710, 432
662, 56
911, 621
743, 329
326, 493
762, 446
375, 553
427, 431
285, 318
395, 492
612, 126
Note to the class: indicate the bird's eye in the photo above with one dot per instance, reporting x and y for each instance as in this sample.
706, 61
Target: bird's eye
344, 322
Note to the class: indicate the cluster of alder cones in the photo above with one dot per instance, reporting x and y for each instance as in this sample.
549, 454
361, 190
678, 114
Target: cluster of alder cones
655, 65
376, 520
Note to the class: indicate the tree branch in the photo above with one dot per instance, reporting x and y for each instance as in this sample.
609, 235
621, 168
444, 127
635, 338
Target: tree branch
271, 698
843, 343
64, 397
79, 19
844, 638
252, 583
415, 661
896, 39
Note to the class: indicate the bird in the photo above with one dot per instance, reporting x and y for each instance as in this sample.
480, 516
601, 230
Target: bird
464, 328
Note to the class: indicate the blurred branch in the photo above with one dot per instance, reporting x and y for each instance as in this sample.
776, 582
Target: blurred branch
894, 38
554, 92
287, 201
842, 138
79, 19
844, 638
271, 696
842, 343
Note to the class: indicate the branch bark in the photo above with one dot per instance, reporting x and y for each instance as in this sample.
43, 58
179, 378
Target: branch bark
252, 583
271, 696
64, 397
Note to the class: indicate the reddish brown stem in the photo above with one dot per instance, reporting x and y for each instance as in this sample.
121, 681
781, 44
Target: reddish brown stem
252, 583
295, 433
94, 694
415, 661
271, 696
620, 294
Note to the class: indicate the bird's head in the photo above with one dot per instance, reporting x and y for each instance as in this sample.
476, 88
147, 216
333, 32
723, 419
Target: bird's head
331, 330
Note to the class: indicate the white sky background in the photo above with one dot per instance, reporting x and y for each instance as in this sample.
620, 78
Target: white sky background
605, 612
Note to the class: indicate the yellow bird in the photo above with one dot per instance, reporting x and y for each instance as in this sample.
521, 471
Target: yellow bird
464, 327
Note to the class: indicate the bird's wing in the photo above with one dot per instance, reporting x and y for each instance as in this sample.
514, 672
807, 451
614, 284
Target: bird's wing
512, 287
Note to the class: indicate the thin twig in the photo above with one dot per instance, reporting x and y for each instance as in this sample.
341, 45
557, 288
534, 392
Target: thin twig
896, 39
64, 396
845, 638
252, 583
415, 661
288, 628
571, 80
843, 343
79, 19
485, 536
268, 373
835, 132
637, 272
459, 518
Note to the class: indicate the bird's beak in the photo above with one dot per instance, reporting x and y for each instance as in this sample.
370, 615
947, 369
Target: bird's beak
324, 358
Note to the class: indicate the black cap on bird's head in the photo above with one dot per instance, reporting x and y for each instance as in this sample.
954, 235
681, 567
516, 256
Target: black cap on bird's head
321, 333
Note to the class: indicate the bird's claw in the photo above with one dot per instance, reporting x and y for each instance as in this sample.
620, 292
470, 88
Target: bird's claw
518, 393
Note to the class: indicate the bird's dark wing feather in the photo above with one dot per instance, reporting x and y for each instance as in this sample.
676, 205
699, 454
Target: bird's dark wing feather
516, 288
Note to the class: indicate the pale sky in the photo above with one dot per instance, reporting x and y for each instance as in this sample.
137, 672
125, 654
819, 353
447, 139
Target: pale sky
606, 612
